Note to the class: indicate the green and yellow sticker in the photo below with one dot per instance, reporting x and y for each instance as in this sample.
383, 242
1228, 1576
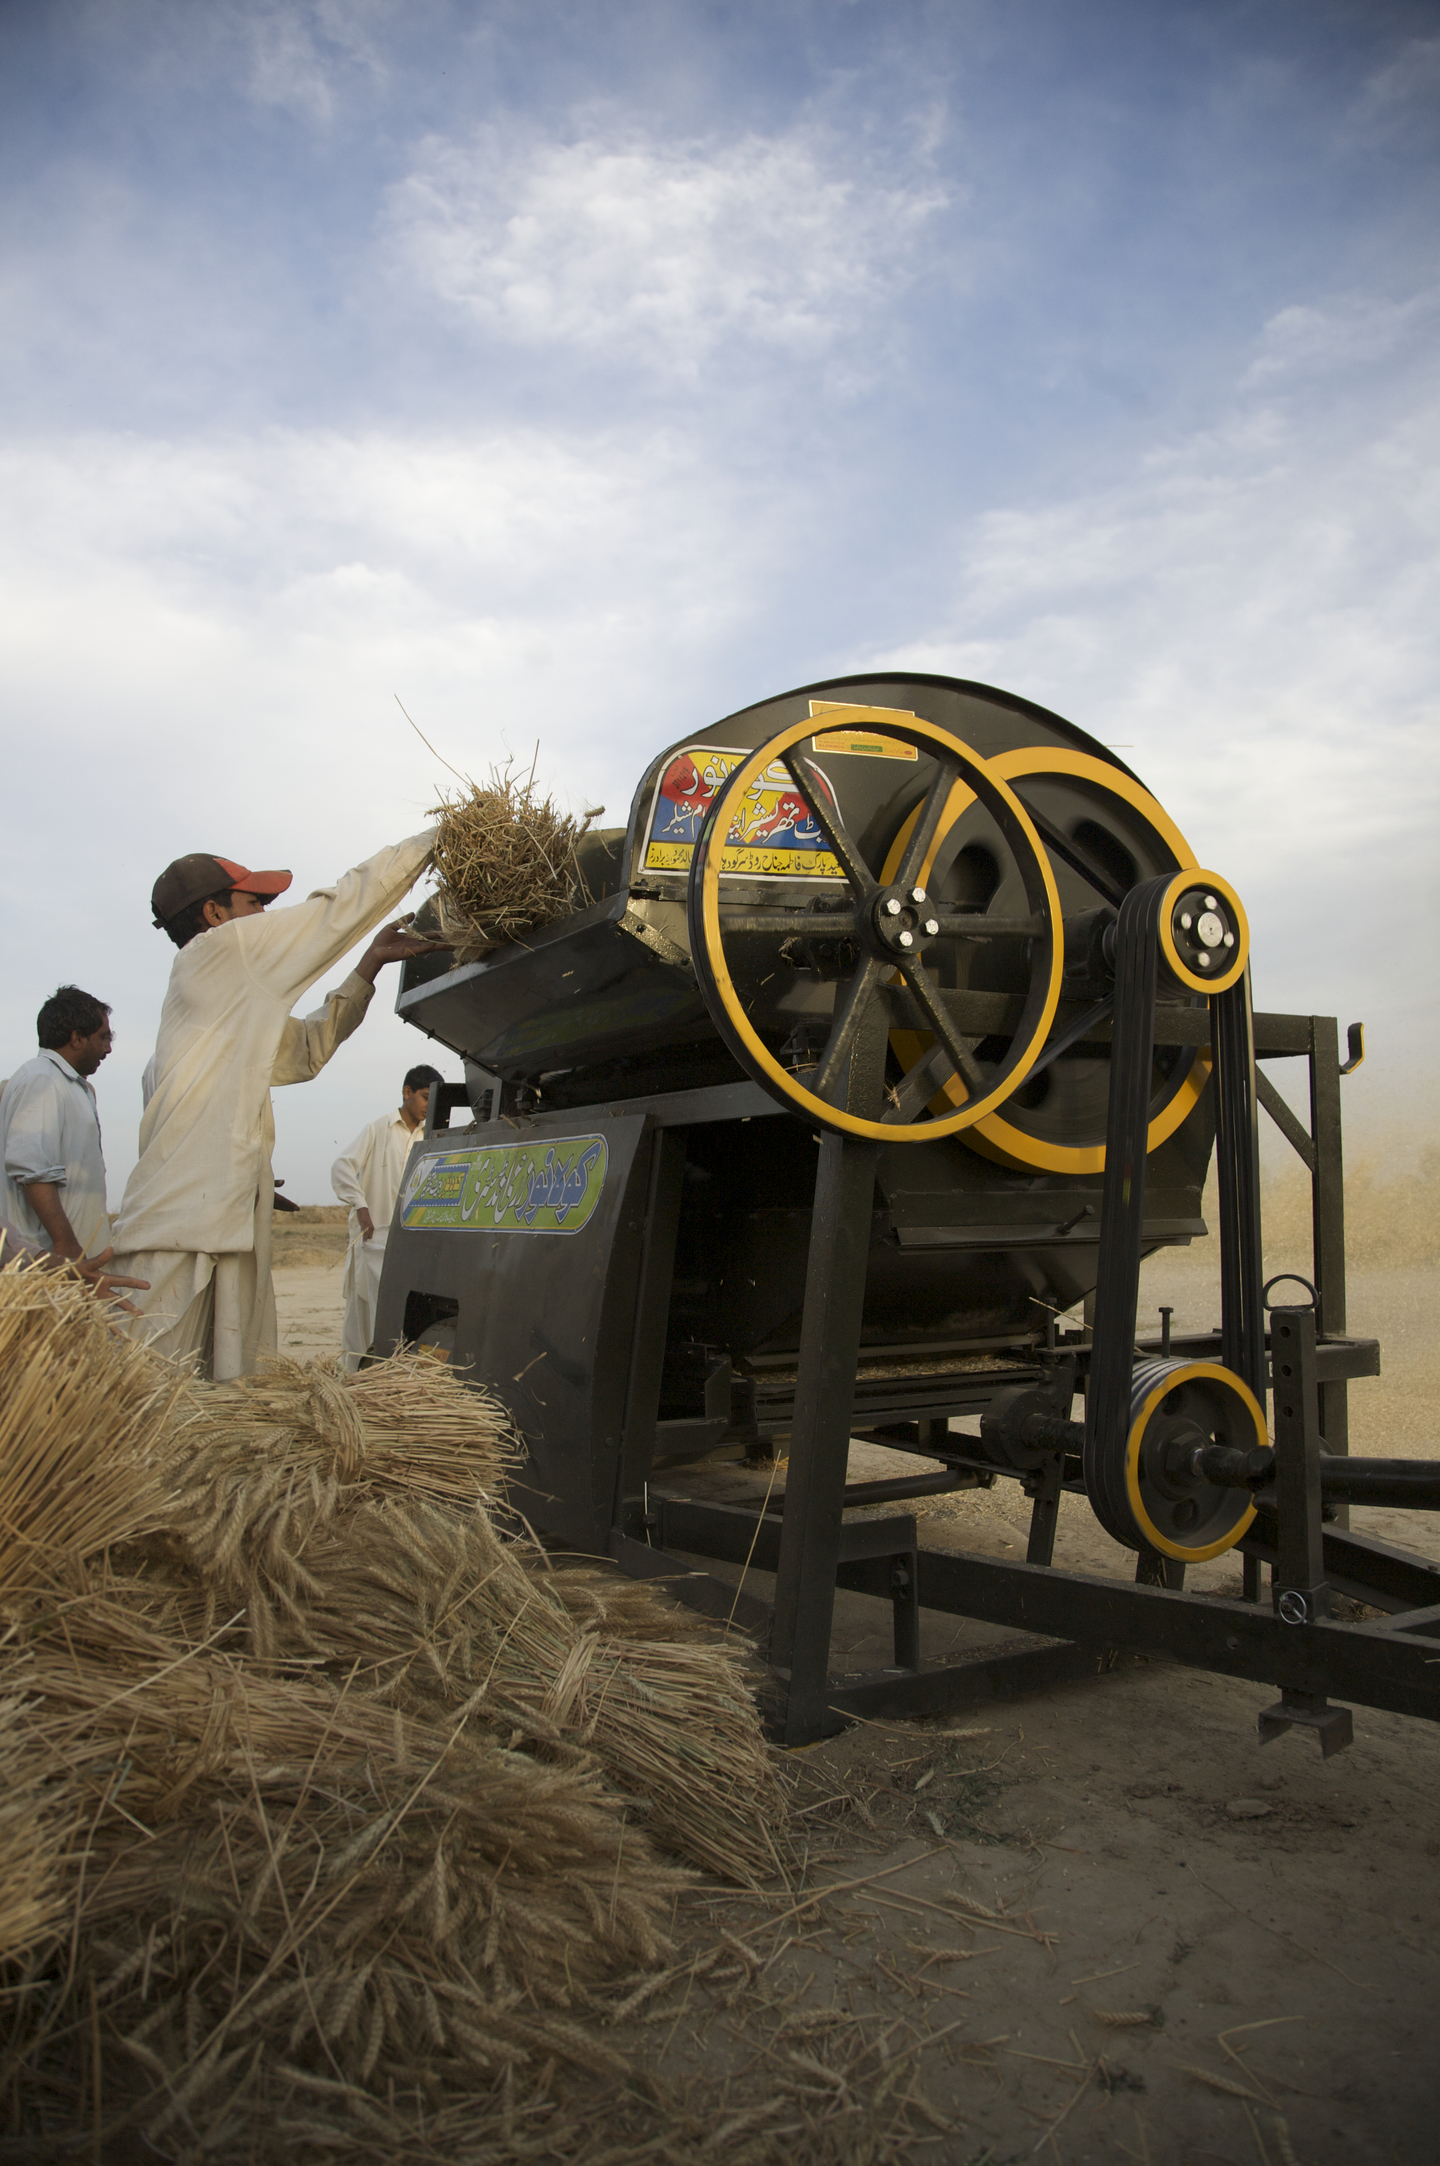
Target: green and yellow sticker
549, 1187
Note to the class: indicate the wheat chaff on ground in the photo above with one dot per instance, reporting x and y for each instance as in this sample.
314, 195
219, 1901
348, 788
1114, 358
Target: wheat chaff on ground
505, 862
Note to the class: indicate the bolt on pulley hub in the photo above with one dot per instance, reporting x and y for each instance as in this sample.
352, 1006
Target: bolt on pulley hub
902, 920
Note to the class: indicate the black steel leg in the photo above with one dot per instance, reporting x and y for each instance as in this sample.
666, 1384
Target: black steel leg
1122, 1203
1045, 1510
1327, 1191
1299, 1593
820, 1436
1237, 1174
905, 1596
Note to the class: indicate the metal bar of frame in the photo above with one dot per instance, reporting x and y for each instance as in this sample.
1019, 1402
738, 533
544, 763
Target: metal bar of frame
1237, 1167
820, 1438
1204, 1631
1328, 1215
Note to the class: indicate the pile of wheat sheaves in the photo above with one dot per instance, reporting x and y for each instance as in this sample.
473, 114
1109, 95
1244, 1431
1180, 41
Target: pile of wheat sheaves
323, 1788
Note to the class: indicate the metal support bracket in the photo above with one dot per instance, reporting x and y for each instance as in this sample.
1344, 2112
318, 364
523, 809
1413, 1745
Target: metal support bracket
1334, 1726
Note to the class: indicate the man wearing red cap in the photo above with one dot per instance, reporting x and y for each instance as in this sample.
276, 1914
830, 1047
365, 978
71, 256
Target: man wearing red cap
195, 1220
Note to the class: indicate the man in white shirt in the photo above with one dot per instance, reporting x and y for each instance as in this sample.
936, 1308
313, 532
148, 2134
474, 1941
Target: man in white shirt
367, 1176
53, 1190
195, 1219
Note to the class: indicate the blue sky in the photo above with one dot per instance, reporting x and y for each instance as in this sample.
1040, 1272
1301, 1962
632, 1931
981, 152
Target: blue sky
580, 373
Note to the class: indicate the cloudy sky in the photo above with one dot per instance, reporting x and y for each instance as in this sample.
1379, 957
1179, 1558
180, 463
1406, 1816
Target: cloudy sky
580, 372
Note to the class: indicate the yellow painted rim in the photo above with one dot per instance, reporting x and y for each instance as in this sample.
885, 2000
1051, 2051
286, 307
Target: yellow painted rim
1181, 972
1162, 1390
852, 1124
995, 1137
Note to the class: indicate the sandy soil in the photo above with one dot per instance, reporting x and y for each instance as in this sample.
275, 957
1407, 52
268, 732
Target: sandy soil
310, 1306
1102, 1924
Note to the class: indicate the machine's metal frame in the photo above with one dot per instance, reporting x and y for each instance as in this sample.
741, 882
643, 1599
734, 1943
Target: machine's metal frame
807, 1541
610, 999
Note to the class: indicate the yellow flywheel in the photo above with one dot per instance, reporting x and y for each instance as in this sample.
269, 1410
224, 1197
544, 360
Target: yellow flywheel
877, 944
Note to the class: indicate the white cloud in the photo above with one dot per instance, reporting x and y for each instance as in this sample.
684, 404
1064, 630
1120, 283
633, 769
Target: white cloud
1250, 615
200, 649
659, 253
1303, 341
303, 57
1405, 92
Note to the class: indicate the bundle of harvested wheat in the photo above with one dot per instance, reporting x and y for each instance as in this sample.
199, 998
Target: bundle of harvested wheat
256, 1467
35, 1823
83, 1416
277, 1868
332, 1779
505, 860
426, 1606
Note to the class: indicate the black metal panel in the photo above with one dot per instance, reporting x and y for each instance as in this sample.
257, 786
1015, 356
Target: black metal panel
544, 1318
584, 988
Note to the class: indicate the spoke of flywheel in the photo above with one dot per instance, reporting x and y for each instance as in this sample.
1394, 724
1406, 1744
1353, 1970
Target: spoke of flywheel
920, 1085
805, 777
938, 1016
957, 923
1073, 855
927, 824
849, 1015
808, 924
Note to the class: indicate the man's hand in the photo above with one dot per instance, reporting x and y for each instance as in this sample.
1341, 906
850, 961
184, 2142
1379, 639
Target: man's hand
102, 1283
367, 1224
396, 944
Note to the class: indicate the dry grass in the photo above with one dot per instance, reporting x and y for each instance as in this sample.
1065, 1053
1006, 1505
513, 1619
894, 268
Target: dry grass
505, 862
325, 1791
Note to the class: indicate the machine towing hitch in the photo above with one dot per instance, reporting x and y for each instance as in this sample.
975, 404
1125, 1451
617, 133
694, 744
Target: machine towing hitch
899, 1022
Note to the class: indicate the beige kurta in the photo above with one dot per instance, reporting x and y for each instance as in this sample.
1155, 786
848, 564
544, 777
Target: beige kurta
196, 1215
369, 1171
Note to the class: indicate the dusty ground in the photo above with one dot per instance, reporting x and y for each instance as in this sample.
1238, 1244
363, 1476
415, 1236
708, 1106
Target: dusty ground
1102, 1924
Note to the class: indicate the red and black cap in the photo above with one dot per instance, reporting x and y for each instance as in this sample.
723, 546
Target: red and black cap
191, 879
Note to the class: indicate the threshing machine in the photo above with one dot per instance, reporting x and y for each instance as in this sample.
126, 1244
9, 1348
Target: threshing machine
898, 1022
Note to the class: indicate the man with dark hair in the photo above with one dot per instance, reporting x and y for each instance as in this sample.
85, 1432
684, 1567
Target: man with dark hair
54, 1172
369, 1176
195, 1220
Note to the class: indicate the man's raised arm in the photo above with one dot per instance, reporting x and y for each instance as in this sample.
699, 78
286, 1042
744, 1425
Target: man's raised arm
286, 950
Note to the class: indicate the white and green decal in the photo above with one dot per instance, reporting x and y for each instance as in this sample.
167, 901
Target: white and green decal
507, 1188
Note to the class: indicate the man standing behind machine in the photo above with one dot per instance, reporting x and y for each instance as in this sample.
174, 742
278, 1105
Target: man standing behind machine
53, 1190
195, 1220
367, 1176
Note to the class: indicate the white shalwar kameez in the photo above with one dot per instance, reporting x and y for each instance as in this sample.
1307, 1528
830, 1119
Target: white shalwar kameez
195, 1219
368, 1174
